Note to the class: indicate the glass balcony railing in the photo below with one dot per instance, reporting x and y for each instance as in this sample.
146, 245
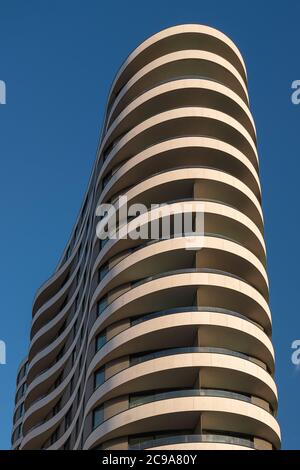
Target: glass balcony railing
172, 311
140, 399
187, 271
140, 358
159, 83
193, 439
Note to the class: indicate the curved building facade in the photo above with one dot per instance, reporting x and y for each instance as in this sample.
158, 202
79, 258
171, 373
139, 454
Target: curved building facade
145, 344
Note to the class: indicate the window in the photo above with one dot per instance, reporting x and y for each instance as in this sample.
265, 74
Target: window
99, 377
100, 340
23, 389
75, 328
21, 410
102, 243
19, 431
140, 399
62, 328
54, 436
73, 356
84, 205
102, 272
101, 306
140, 439
98, 416
79, 251
78, 397
106, 179
67, 444
60, 354
77, 428
58, 381
71, 385
64, 282
68, 253
68, 418
56, 408
64, 303
134, 440
107, 151
76, 302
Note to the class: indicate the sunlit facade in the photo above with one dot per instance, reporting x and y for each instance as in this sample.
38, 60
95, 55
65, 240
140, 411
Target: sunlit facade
143, 344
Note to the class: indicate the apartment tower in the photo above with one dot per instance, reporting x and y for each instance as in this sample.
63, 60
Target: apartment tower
145, 344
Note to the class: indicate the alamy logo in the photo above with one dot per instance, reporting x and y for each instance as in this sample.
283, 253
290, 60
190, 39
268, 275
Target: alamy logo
2, 353
296, 353
296, 94
157, 222
2, 92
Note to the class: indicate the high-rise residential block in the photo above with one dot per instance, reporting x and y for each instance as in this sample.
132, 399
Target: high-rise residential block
147, 344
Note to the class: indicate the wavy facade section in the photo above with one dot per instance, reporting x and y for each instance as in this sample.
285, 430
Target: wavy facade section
140, 344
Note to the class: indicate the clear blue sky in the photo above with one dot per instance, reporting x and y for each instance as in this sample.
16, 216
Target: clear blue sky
58, 59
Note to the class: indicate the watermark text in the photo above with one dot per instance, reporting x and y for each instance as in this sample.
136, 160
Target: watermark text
2, 92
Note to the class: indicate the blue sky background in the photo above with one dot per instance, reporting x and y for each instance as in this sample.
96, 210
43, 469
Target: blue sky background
58, 59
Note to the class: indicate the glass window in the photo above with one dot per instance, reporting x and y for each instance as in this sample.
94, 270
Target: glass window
77, 428
73, 356
56, 408
78, 397
59, 379
68, 253
140, 439
84, 206
60, 354
106, 179
76, 302
72, 385
54, 436
102, 243
64, 303
102, 272
67, 444
98, 416
79, 251
23, 389
21, 412
140, 399
100, 340
19, 431
75, 327
101, 306
68, 418
99, 377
